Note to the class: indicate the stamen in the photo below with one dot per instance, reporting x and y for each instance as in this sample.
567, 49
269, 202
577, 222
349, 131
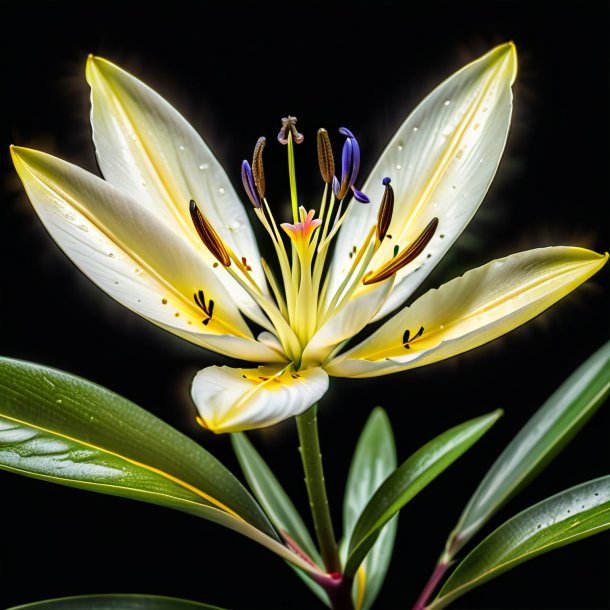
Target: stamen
386, 209
257, 167
404, 258
248, 181
325, 156
350, 166
289, 125
208, 236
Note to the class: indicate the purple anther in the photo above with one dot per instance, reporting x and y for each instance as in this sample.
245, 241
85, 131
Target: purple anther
248, 180
344, 131
386, 181
350, 166
360, 196
355, 161
336, 186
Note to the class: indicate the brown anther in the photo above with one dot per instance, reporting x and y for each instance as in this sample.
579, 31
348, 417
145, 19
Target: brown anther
325, 156
289, 125
386, 209
409, 254
258, 172
208, 236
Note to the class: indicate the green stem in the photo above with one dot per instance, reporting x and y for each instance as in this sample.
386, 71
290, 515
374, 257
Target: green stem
307, 426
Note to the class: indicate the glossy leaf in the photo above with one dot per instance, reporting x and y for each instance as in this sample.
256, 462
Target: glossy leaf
61, 428
409, 479
373, 461
116, 602
569, 516
278, 506
542, 437
272, 497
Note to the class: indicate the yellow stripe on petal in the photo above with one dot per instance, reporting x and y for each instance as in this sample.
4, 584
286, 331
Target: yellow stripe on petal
231, 400
133, 256
148, 150
470, 311
441, 161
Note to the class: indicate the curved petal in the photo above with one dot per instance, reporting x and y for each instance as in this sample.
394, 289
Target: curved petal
346, 323
133, 256
149, 151
231, 400
441, 162
471, 310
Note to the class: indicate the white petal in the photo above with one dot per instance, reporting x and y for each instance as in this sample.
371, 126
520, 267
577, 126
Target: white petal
346, 323
471, 310
132, 256
149, 151
441, 162
230, 400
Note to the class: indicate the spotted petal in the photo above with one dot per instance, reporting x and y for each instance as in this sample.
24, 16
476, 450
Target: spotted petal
148, 150
231, 400
133, 256
470, 310
441, 162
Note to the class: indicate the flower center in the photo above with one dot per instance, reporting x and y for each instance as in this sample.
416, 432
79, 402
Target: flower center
299, 301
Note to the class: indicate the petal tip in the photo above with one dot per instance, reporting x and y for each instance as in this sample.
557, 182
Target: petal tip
506, 55
96, 67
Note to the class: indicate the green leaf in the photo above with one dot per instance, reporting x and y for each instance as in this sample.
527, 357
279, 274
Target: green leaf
569, 516
116, 602
61, 428
278, 506
268, 491
538, 442
374, 459
409, 479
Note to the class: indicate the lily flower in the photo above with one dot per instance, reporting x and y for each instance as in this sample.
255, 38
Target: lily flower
166, 235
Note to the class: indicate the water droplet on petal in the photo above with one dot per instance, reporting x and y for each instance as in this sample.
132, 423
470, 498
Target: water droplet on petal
400, 147
221, 190
398, 166
447, 102
415, 128
138, 271
181, 147
204, 166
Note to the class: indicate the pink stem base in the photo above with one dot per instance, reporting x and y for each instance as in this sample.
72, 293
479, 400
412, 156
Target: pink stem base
431, 585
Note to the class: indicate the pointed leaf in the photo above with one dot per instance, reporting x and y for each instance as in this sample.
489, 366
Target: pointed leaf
373, 461
569, 516
409, 479
538, 442
116, 602
61, 428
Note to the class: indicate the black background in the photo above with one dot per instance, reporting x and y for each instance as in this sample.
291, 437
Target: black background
234, 71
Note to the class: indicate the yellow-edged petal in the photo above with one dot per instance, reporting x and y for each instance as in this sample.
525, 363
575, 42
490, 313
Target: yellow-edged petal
470, 310
230, 400
133, 256
441, 162
148, 150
